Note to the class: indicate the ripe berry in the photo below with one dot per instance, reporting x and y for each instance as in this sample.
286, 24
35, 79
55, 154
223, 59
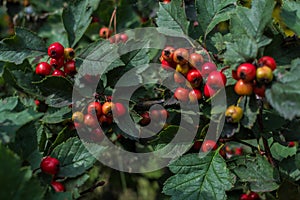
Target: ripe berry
195, 95
166, 65
56, 50
183, 69
78, 117
268, 61
105, 120
158, 115
70, 68
97, 135
194, 77
69, 53
239, 151
145, 119
166, 1
106, 108
243, 88
244, 197
181, 56
207, 68
90, 121
209, 145
234, 75
216, 80
234, 114
253, 196
196, 60
208, 91
58, 72
246, 71
167, 53
57, 186
95, 107
43, 69
49, 165
118, 109
105, 32
57, 63
197, 145
179, 78
264, 74
124, 37
181, 94
259, 90
291, 144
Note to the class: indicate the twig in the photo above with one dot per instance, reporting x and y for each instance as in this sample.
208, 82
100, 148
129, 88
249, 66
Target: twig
91, 189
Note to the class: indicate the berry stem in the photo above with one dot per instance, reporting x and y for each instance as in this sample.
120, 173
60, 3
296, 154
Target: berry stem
111, 19
91, 189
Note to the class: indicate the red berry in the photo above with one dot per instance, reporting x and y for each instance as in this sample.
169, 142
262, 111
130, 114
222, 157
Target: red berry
167, 53
49, 165
209, 145
56, 50
268, 61
70, 68
124, 37
244, 197
197, 145
57, 63
105, 120
179, 78
97, 135
246, 71
90, 121
208, 91
181, 94
105, 32
37, 102
145, 119
166, 65
118, 109
57, 186
195, 95
234, 75
196, 60
243, 88
43, 69
58, 72
216, 80
291, 144
95, 107
259, 90
207, 68
194, 77
253, 196
239, 151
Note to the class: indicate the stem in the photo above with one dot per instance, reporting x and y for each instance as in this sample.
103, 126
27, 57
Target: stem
265, 141
91, 189
111, 18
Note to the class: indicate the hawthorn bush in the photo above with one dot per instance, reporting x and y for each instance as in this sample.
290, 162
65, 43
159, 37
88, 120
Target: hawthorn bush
247, 50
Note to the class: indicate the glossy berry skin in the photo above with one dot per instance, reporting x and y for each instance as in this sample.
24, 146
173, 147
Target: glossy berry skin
208, 91
57, 186
291, 144
105, 120
195, 95
57, 63
145, 119
181, 94
78, 117
49, 165
70, 68
243, 88
244, 197
183, 69
194, 77
58, 72
253, 196
239, 151
56, 50
106, 108
268, 61
260, 90
95, 107
234, 114
181, 56
264, 74
216, 80
69, 53
234, 75
166, 65
105, 32
90, 121
167, 53
209, 145
119, 109
207, 68
179, 78
123, 37
196, 60
246, 71
43, 69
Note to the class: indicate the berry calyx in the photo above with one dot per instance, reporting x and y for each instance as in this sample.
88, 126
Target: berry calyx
43, 69
49, 165
69, 53
246, 71
234, 114
56, 50
209, 145
268, 61
167, 53
58, 186
105, 32
243, 88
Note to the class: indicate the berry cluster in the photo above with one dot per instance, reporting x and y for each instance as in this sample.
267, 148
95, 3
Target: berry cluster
96, 113
190, 70
59, 57
253, 78
105, 33
50, 165
250, 196
155, 115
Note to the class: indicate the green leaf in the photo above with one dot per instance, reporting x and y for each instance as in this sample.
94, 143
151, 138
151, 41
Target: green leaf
199, 178
210, 13
57, 90
55, 116
59, 196
257, 172
24, 44
289, 190
172, 16
290, 14
280, 152
76, 18
16, 181
8, 103
290, 167
74, 158
250, 112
